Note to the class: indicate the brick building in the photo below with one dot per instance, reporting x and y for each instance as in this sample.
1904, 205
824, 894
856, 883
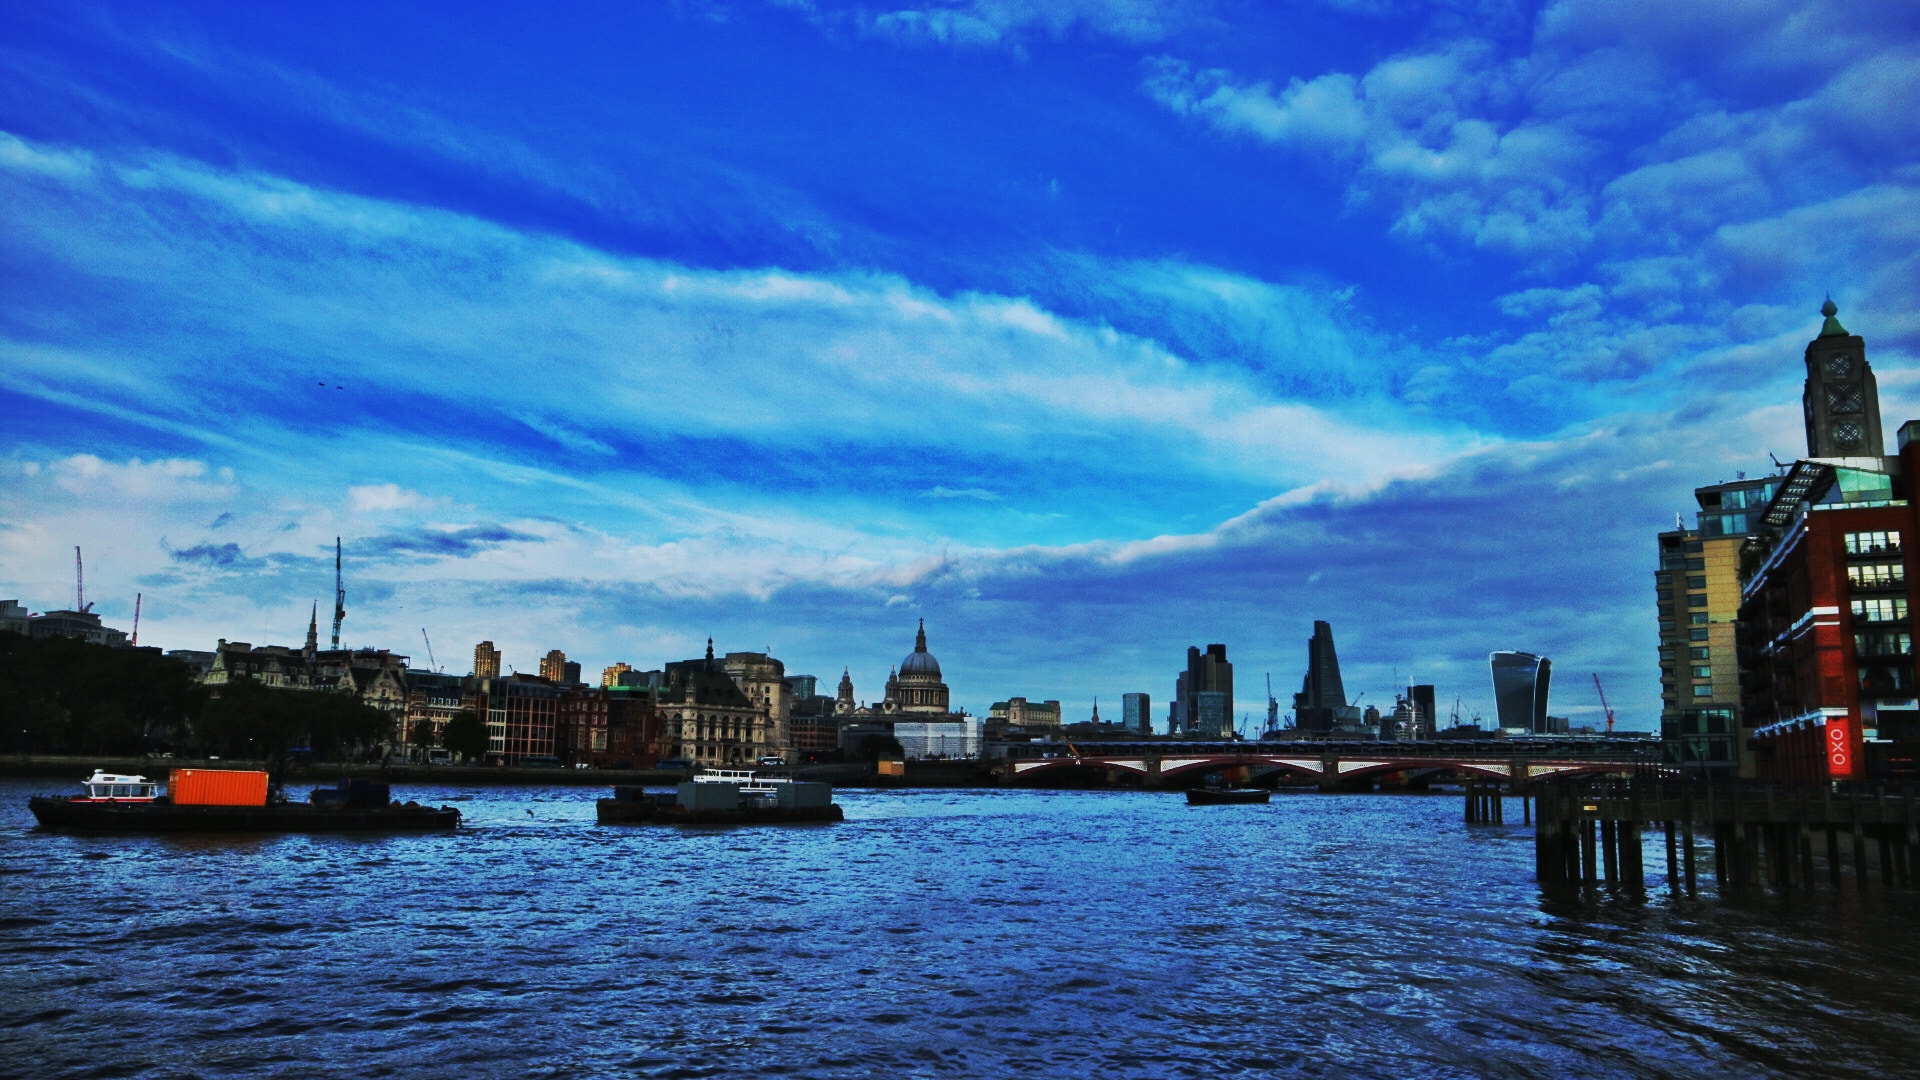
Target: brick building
1825, 638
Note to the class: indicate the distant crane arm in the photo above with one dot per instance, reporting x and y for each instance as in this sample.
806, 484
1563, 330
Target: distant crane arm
1606, 708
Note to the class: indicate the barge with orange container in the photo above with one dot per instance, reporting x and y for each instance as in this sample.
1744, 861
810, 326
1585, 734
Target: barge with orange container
230, 800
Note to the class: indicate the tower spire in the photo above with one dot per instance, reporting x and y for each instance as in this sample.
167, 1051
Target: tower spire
920, 639
1832, 327
339, 594
1841, 399
313, 630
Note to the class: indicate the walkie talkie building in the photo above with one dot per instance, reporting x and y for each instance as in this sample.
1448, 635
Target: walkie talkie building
1520, 691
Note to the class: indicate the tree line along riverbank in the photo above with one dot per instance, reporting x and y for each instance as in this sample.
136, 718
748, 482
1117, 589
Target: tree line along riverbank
75, 767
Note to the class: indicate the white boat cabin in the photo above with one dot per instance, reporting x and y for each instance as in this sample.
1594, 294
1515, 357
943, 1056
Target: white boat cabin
754, 789
112, 787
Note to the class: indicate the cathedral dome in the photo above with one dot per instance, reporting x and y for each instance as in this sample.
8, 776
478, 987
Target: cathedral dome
920, 661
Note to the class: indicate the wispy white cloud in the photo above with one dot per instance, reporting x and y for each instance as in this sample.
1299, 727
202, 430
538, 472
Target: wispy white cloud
382, 498
1013, 23
801, 355
1524, 154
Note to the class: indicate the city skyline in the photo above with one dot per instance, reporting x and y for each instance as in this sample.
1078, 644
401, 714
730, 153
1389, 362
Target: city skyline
1086, 332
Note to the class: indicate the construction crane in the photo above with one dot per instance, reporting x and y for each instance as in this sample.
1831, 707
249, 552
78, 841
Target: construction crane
79, 584
1608, 709
339, 594
136, 619
432, 664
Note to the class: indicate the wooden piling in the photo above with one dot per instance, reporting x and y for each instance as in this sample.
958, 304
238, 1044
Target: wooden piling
1860, 873
1589, 861
1610, 850
1673, 860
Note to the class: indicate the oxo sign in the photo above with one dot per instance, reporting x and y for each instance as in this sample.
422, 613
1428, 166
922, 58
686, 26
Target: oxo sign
1839, 747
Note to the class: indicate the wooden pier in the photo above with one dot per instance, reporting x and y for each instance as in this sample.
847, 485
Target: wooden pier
1762, 834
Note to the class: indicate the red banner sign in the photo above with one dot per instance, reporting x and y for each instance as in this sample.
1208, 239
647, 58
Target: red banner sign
1839, 748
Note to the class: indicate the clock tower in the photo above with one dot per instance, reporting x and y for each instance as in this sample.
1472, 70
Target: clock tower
1842, 402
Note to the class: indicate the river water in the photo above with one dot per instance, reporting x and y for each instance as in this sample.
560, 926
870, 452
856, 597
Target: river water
933, 933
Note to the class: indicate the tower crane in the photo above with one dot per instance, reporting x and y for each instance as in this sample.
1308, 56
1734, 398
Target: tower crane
431, 662
136, 619
1608, 709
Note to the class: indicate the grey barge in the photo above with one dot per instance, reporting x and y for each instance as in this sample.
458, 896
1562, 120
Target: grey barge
723, 797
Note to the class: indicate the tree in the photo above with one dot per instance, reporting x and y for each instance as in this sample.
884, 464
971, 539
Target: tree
59, 695
422, 733
466, 735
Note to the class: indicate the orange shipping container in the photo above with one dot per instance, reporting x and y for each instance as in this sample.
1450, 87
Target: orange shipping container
218, 787
891, 768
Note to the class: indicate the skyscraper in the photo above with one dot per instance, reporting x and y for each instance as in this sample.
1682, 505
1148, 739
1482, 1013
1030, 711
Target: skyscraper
553, 666
1520, 691
486, 660
1136, 713
1420, 699
1205, 691
1321, 691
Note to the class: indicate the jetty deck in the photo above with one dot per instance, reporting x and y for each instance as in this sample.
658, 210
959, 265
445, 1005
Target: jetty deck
1761, 833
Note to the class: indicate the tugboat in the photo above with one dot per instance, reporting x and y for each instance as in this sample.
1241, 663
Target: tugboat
229, 800
723, 797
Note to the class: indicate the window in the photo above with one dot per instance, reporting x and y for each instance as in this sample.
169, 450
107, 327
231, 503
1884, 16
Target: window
1696, 581
1696, 564
1666, 611
1703, 671
1696, 599
1699, 653
1695, 546
1703, 691
1880, 609
1883, 643
1877, 575
1885, 678
1872, 543
1698, 618
1698, 633
1666, 626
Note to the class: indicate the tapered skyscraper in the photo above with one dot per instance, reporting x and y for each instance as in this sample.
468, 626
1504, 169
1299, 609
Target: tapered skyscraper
1321, 691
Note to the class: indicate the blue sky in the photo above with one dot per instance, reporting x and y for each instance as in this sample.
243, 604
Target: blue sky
1086, 331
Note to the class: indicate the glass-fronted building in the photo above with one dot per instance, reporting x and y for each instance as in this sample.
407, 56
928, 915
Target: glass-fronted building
1520, 681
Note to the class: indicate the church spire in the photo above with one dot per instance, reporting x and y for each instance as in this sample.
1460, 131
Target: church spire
313, 630
920, 639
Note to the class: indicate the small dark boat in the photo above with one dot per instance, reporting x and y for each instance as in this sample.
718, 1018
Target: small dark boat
722, 797
1220, 796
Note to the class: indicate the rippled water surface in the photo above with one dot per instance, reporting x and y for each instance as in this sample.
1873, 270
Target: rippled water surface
959, 933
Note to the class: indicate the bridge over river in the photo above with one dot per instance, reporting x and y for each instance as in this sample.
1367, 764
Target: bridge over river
1514, 763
